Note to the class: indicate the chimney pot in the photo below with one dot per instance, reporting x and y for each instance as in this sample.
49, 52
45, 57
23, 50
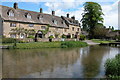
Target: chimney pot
41, 11
53, 13
15, 5
68, 15
73, 17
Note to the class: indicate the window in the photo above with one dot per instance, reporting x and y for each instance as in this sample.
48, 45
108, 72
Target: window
65, 30
54, 21
78, 29
12, 24
62, 22
13, 35
27, 15
40, 17
31, 25
72, 28
10, 13
43, 27
22, 36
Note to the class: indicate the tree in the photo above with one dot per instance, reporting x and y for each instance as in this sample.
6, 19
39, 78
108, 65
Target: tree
91, 17
99, 32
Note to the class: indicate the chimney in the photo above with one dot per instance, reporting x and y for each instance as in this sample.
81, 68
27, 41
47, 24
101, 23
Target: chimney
41, 10
53, 13
73, 17
15, 5
67, 15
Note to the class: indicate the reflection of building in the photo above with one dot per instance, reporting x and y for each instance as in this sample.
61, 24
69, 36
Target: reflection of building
19, 18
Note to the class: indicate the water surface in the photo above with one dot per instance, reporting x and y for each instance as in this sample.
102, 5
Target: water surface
56, 62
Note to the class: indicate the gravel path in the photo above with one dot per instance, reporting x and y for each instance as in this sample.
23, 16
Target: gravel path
90, 42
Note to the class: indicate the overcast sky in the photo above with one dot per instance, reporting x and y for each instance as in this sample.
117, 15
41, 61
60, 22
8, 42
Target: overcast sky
73, 7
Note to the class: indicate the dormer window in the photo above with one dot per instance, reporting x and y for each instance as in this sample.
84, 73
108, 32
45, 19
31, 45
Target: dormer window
62, 22
27, 15
54, 21
11, 13
40, 17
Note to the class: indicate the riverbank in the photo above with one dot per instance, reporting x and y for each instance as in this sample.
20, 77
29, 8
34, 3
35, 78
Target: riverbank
59, 44
102, 41
90, 42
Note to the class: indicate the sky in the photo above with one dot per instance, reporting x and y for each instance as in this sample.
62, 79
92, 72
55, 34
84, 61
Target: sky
73, 7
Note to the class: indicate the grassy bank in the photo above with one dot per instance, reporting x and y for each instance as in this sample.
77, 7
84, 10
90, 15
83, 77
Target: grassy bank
65, 44
102, 41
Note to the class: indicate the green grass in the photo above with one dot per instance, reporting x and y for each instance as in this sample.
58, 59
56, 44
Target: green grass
65, 44
102, 41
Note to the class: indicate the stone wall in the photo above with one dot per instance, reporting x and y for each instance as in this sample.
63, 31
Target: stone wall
36, 27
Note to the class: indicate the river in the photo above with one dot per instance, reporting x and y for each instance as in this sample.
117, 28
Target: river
87, 62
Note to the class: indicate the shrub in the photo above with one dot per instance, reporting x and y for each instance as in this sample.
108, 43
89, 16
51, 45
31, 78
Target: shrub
82, 37
112, 66
64, 36
51, 36
68, 44
30, 36
8, 40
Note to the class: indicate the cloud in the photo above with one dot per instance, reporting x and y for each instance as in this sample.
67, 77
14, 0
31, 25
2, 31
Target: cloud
111, 14
62, 7
58, 0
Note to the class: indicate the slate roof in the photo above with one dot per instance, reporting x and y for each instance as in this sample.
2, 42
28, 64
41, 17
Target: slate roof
46, 18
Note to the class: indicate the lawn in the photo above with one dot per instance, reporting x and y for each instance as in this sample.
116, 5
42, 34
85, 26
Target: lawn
102, 41
58, 44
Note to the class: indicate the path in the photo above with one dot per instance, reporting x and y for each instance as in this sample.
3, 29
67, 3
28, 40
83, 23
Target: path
90, 42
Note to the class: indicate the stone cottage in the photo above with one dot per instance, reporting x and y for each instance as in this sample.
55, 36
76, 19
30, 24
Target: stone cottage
16, 21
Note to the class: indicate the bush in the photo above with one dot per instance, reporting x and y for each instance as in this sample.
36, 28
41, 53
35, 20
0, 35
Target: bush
64, 36
32, 37
82, 37
51, 36
8, 40
112, 66
68, 44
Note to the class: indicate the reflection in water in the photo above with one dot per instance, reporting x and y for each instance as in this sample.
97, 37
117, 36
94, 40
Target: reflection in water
56, 63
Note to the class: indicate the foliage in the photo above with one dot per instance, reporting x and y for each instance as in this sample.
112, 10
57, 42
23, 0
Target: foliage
19, 31
64, 36
44, 32
68, 44
30, 36
82, 37
56, 35
51, 36
112, 66
8, 40
12, 40
92, 16
99, 32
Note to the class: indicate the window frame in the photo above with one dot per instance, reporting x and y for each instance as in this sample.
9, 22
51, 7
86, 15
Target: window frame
12, 24
73, 29
10, 13
31, 25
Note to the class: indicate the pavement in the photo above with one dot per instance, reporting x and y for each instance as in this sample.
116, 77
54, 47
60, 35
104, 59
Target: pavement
90, 42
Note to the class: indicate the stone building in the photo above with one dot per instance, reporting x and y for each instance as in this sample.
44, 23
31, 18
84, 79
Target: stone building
16, 21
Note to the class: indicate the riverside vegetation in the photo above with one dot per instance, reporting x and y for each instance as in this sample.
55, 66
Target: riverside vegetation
112, 67
17, 44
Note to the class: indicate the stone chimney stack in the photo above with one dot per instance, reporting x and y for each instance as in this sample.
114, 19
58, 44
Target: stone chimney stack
15, 5
53, 13
41, 11
73, 17
67, 15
